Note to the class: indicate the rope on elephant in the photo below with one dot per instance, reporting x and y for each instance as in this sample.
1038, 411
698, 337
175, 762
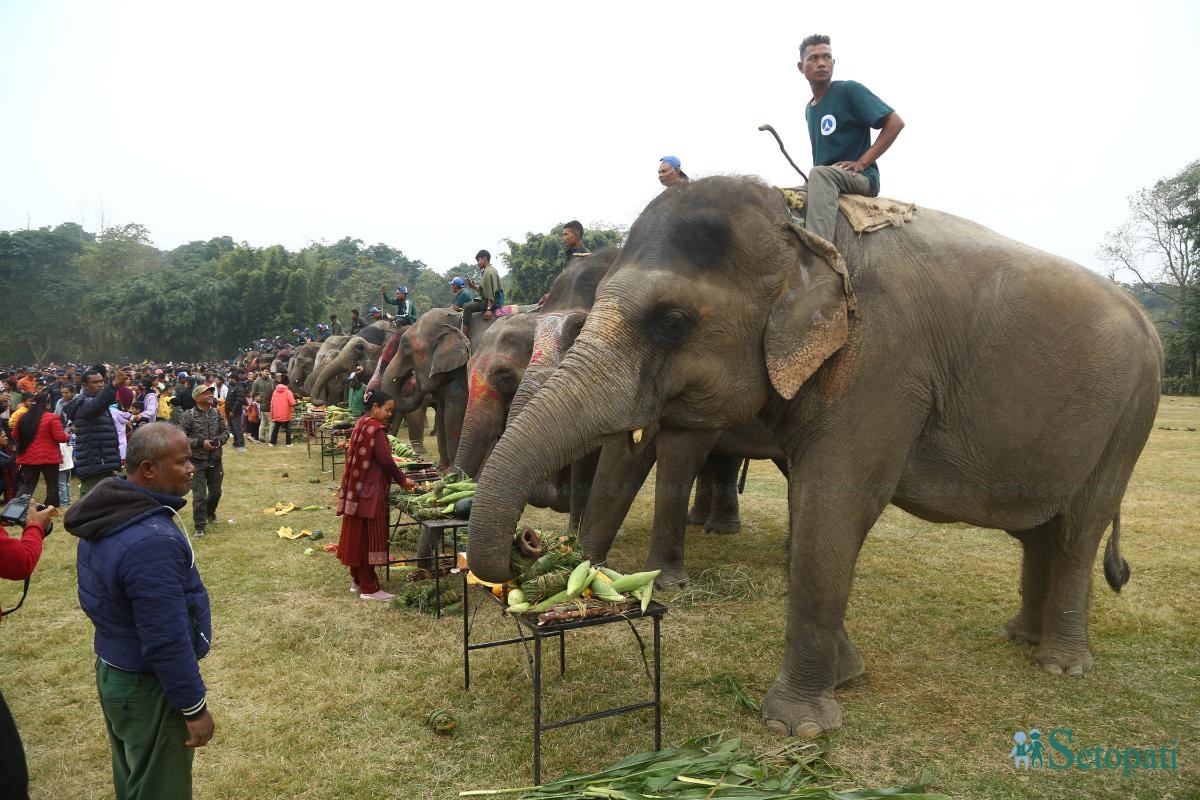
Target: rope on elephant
865, 214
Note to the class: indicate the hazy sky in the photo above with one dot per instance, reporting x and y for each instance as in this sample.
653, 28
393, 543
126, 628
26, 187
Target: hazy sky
444, 128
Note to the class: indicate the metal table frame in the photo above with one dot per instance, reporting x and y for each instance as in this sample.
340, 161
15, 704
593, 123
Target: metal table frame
529, 630
434, 527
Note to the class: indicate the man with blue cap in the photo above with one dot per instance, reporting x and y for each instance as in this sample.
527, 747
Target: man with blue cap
462, 295
669, 172
406, 312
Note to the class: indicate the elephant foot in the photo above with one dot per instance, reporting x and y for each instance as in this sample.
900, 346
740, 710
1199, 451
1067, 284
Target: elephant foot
418, 448
790, 713
722, 524
444, 467
850, 661
698, 514
1063, 660
1021, 629
673, 576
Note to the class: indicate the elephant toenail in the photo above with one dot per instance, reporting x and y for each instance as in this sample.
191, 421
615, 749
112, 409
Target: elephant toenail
1075, 671
777, 727
1052, 668
808, 729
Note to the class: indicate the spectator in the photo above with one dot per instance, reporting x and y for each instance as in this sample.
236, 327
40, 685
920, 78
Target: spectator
262, 391
669, 172
356, 322
335, 327
65, 469
38, 435
18, 558
69, 390
182, 400
357, 390
148, 397
122, 418
139, 586
206, 431
282, 403
26, 382
97, 450
235, 409
363, 497
22, 408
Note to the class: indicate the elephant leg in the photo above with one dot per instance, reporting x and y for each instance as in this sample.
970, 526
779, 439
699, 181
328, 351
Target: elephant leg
680, 456
723, 473
416, 429
619, 476
702, 505
828, 522
455, 410
1063, 647
1036, 545
583, 473
439, 431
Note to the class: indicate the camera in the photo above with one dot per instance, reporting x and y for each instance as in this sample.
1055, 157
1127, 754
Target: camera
16, 511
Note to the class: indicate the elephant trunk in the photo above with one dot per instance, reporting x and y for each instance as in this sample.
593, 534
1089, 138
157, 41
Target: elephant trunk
593, 394
482, 424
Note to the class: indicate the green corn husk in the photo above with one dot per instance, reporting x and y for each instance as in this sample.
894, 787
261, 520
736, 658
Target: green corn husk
714, 768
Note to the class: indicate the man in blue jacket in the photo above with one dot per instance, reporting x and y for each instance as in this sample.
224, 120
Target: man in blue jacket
97, 450
139, 585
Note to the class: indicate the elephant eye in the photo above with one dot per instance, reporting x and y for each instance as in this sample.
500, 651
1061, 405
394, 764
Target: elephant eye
670, 325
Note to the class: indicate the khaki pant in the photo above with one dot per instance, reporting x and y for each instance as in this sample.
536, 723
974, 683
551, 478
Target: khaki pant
825, 184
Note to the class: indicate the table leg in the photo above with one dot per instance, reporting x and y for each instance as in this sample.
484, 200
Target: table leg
437, 576
562, 653
537, 710
466, 639
657, 688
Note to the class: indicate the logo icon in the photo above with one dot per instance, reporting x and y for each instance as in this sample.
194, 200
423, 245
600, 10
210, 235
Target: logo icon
828, 124
1028, 749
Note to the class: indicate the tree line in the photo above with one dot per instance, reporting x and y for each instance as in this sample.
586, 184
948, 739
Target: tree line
73, 295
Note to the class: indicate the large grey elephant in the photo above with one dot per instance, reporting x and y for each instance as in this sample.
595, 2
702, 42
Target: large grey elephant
331, 379
300, 365
953, 372
329, 350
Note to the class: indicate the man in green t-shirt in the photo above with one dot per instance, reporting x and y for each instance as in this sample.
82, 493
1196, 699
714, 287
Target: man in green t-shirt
840, 118
491, 290
462, 295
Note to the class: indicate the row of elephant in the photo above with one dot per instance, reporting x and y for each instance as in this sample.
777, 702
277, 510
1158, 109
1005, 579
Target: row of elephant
936, 366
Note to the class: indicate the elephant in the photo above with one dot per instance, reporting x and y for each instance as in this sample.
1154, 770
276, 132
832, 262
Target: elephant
300, 365
431, 359
331, 378
328, 351
935, 365
279, 363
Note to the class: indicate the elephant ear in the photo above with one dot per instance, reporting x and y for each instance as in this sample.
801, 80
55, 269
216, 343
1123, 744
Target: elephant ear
451, 351
809, 320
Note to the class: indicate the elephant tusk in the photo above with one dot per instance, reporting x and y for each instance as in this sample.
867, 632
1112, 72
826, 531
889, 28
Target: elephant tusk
637, 436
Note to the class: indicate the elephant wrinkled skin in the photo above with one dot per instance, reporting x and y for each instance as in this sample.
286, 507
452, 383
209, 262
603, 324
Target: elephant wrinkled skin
962, 377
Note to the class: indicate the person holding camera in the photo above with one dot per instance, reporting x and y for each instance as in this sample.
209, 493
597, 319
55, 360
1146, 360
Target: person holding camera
18, 558
97, 450
139, 585
207, 432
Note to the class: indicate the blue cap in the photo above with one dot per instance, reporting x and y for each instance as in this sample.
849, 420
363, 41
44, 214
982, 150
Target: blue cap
402, 289
670, 161
458, 283
373, 310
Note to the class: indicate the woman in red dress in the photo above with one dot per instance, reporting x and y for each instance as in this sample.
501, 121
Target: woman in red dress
363, 497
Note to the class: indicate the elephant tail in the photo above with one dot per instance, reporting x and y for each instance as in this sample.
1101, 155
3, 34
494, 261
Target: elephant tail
1116, 568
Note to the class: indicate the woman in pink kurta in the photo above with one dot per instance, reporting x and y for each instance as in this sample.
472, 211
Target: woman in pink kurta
363, 497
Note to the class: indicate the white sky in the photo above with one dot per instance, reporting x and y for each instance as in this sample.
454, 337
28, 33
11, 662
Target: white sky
444, 128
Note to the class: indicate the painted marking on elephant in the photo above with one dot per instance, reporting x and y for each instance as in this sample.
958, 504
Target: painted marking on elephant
547, 339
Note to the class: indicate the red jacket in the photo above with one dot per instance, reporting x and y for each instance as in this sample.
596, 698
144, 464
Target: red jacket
44, 449
18, 557
282, 402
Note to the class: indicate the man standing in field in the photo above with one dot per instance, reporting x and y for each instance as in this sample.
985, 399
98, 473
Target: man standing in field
840, 118
139, 585
206, 431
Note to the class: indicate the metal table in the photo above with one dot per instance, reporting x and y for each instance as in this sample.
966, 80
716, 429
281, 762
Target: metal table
432, 529
529, 630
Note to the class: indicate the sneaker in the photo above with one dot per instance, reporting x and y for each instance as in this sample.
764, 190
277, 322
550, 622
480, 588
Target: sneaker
287, 445
354, 588
380, 595
239, 449
270, 445
199, 534
212, 519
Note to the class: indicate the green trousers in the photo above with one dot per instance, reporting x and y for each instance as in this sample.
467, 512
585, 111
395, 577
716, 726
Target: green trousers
89, 483
146, 734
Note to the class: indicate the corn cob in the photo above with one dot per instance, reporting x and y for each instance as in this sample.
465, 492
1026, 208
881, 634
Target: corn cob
579, 579
635, 581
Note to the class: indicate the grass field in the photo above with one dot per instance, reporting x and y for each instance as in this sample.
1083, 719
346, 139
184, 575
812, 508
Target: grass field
318, 694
